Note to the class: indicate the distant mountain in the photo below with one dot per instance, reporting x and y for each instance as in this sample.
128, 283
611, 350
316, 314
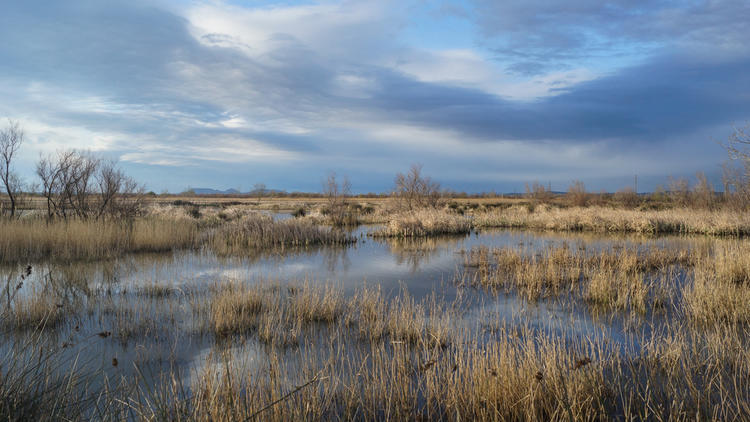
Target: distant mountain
211, 191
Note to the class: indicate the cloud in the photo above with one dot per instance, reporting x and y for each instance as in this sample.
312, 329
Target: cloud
291, 91
533, 35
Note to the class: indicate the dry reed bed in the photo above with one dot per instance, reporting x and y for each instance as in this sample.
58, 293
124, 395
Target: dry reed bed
614, 278
257, 232
28, 240
519, 374
397, 358
680, 372
425, 222
603, 219
716, 285
278, 315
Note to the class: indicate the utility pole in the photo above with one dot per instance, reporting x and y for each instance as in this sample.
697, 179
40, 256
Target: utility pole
636, 184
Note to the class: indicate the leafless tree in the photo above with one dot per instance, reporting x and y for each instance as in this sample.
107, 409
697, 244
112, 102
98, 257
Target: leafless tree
679, 190
117, 194
412, 190
260, 190
627, 197
538, 193
336, 194
82, 185
11, 138
703, 192
736, 174
577, 194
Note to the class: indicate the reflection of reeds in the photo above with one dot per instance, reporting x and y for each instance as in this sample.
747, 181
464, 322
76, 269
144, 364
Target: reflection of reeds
374, 357
36, 312
521, 374
625, 278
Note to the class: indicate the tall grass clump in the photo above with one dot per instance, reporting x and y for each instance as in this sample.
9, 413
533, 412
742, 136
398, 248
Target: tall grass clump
259, 232
626, 278
720, 289
27, 240
424, 222
603, 219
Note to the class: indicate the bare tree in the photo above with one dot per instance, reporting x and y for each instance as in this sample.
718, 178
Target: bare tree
336, 194
577, 194
260, 190
538, 193
703, 191
82, 185
679, 190
627, 197
736, 174
11, 139
739, 144
412, 190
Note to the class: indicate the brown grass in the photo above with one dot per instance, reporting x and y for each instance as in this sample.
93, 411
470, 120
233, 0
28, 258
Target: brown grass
603, 219
426, 222
398, 358
720, 290
258, 232
33, 239
623, 278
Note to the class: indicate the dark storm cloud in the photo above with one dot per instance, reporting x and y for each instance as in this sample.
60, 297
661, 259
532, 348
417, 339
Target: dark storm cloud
664, 98
537, 34
137, 70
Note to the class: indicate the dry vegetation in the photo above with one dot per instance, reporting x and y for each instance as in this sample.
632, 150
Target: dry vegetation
606, 219
372, 356
28, 240
683, 353
259, 232
622, 278
425, 222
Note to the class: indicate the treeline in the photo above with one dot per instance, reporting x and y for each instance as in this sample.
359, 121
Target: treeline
82, 185
73, 184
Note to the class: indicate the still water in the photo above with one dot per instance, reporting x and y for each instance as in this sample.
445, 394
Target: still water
167, 336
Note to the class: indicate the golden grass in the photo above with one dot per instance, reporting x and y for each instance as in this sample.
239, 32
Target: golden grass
425, 222
372, 356
522, 374
604, 219
398, 358
36, 312
720, 290
258, 232
33, 239
621, 278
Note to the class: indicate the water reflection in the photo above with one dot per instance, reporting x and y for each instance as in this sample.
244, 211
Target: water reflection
158, 331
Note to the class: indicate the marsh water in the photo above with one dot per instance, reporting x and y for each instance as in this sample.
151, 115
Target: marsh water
167, 337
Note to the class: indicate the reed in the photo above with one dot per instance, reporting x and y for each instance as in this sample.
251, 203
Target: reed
626, 278
522, 374
424, 222
520, 371
720, 288
603, 219
27, 240
259, 232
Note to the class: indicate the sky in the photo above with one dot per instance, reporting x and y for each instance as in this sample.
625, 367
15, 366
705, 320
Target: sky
486, 95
